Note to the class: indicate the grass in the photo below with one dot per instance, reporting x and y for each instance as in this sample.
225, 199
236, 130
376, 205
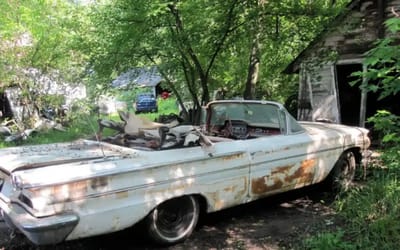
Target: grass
328, 241
165, 107
371, 213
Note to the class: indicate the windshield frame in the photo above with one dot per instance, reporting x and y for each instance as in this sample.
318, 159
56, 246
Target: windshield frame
251, 111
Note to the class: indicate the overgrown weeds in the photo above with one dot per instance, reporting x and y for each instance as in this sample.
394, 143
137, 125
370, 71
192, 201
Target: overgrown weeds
371, 213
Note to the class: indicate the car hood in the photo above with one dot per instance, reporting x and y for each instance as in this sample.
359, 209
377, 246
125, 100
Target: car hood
55, 164
77, 152
317, 127
352, 136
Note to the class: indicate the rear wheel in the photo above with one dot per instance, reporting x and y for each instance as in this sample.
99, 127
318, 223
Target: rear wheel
342, 174
174, 220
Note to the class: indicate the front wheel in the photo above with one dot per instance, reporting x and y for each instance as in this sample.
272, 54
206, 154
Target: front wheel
173, 221
342, 174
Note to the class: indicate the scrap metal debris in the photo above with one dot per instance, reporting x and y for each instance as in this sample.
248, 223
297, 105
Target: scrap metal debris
12, 131
139, 132
132, 131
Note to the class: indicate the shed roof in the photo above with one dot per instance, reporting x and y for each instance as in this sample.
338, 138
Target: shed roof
294, 65
143, 77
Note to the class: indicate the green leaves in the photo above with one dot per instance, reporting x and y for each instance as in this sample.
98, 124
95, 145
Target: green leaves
388, 125
383, 66
39, 32
198, 46
393, 25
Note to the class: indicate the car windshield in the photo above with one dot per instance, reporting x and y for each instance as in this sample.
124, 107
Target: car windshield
145, 95
257, 114
146, 98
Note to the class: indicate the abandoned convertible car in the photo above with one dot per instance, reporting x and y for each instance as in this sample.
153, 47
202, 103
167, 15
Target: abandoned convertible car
165, 175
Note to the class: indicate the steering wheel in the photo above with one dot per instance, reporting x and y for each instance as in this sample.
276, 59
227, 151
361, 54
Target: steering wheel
236, 129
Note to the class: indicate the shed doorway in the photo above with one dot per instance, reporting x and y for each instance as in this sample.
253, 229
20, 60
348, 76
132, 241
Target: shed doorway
349, 96
5, 107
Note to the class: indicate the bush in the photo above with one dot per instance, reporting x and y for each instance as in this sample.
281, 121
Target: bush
388, 127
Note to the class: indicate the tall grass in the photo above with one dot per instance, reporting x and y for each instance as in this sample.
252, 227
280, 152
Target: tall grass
371, 213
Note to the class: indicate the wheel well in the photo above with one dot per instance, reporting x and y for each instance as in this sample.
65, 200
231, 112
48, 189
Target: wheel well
357, 154
334, 181
202, 203
201, 199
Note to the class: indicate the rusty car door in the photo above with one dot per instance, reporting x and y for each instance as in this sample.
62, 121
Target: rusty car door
280, 163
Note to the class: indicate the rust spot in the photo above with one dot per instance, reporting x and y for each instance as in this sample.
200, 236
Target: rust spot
277, 184
282, 176
121, 195
99, 182
230, 189
304, 174
218, 203
223, 197
282, 170
64, 192
239, 195
307, 163
232, 157
259, 185
79, 186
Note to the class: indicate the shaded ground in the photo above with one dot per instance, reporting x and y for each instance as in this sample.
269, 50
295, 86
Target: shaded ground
279, 222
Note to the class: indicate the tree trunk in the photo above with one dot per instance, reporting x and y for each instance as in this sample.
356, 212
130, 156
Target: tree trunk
254, 60
253, 72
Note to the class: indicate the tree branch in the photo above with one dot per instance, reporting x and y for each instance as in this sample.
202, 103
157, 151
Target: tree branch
394, 12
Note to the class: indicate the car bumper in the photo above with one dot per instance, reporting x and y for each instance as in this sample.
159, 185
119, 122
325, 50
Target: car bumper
41, 231
146, 109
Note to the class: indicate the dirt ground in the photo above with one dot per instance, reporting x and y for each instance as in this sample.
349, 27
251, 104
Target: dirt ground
278, 222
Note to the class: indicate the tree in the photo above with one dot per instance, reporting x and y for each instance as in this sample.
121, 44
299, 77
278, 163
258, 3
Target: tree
383, 76
255, 54
183, 42
34, 42
198, 46
201, 46
382, 63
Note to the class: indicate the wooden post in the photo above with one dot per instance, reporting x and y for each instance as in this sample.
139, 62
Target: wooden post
363, 103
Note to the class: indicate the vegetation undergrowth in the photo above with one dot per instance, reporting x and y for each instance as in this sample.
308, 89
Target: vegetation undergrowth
84, 125
371, 212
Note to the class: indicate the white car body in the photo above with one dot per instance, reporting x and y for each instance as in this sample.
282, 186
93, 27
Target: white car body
66, 191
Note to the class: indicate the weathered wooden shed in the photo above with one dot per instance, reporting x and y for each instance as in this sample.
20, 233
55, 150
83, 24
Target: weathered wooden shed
326, 65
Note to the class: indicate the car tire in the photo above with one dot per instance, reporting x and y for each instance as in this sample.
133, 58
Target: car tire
341, 177
173, 221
